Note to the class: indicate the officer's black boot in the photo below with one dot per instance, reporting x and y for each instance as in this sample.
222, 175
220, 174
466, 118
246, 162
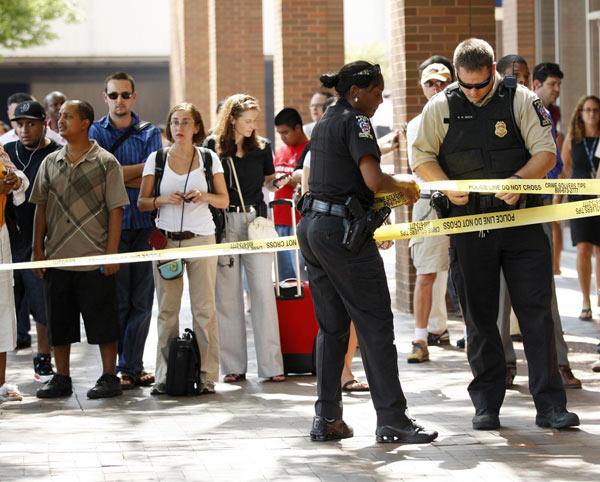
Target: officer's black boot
408, 434
324, 429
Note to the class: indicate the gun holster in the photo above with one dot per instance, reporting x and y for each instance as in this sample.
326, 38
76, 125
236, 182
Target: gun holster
361, 224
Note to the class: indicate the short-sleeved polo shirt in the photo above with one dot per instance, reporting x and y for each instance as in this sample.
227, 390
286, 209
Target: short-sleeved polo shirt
77, 200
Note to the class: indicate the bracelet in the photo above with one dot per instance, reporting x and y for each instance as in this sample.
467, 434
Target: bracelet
154, 203
516, 176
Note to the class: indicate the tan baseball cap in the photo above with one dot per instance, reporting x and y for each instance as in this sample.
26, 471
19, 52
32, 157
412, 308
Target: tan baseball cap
436, 72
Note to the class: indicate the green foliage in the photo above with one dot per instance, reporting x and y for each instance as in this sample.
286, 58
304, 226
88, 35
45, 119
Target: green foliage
26, 23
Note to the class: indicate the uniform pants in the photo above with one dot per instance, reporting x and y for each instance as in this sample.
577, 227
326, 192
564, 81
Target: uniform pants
523, 254
201, 274
230, 306
562, 350
347, 286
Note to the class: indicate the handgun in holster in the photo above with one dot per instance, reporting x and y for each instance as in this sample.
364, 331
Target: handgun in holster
360, 224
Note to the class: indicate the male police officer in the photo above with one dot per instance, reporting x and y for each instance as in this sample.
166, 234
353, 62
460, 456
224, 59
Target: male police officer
131, 141
479, 129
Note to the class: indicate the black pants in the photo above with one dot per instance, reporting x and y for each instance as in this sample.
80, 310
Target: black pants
524, 255
351, 287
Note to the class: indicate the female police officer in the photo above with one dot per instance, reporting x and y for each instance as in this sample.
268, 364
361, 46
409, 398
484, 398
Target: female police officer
345, 173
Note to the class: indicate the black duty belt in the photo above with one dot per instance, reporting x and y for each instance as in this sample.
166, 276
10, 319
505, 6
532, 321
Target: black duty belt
181, 236
328, 208
239, 209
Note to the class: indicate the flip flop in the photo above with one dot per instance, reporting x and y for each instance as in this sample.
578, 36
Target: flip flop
355, 386
127, 382
144, 379
586, 314
234, 377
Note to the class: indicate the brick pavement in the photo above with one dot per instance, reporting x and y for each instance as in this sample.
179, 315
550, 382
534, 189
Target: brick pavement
258, 430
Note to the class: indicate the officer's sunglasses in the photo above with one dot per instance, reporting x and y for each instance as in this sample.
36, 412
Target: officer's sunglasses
115, 95
481, 85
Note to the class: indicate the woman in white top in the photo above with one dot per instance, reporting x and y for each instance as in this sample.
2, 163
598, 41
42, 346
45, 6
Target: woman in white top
185, 220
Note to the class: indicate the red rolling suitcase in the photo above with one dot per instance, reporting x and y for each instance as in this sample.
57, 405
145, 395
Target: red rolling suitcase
297, 322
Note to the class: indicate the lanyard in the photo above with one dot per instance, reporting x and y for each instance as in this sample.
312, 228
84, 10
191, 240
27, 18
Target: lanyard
590, 154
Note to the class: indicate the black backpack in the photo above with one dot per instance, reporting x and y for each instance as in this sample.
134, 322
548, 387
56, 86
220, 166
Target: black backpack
217, 214
183, 367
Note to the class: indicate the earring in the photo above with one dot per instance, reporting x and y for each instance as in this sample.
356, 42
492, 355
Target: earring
355, 100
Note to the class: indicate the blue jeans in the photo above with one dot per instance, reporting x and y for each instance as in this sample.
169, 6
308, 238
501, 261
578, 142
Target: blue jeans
287, 259
135, 288
29, 295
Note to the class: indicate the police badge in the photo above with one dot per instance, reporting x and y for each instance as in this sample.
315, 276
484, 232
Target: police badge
500, 129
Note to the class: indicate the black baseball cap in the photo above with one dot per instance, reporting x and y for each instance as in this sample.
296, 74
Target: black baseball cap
30, 109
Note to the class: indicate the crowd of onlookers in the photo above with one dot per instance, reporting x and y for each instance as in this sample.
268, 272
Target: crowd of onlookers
71, 186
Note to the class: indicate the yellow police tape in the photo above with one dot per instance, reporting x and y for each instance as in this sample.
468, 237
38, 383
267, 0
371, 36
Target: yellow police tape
522, 186
437, 227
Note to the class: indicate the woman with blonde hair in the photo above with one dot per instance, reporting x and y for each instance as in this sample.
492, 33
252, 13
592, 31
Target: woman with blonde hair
248, 157
580, 162
184, 219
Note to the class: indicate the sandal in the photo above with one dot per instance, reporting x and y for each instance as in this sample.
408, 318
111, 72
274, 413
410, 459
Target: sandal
234, 377
277, 379
355, 386
144, 379
586, 314
127, 382
10, 393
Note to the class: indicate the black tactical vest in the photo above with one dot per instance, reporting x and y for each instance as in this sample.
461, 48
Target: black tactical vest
482, 142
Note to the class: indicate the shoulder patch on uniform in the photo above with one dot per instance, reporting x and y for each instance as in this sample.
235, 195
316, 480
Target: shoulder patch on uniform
542, 113
365, 126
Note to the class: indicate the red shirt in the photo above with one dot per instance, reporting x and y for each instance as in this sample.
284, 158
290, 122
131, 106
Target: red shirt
285, 162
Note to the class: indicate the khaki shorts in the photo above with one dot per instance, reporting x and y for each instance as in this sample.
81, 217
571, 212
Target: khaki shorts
430, 254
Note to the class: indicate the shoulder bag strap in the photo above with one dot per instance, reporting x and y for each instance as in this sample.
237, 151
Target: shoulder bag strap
139, 127
237, 183
159, 167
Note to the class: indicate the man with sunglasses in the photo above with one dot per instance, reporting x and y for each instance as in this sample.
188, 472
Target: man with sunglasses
131, 141
429, 255
484, 128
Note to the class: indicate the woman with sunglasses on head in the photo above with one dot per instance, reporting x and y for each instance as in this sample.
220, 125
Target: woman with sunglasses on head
351, 283
184, 219
248, 163
580, 162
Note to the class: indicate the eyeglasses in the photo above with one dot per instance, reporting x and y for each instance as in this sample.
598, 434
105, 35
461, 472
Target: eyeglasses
115, 95
315, 105
481, 85
590, 111
438, 83
184, 123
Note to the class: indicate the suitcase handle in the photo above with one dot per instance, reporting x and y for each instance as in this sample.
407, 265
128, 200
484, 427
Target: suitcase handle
289, 202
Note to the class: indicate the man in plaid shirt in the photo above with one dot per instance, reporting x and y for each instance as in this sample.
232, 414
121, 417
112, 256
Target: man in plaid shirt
79, 196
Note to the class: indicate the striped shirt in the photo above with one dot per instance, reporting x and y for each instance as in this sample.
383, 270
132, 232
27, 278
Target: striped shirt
135, 150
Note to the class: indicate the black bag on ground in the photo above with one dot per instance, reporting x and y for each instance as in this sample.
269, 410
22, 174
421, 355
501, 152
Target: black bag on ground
183, 367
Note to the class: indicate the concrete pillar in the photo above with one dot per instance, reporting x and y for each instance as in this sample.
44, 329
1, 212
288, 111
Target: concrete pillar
420, 29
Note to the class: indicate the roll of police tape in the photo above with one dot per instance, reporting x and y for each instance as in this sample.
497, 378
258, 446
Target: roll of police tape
521, 186
437, 227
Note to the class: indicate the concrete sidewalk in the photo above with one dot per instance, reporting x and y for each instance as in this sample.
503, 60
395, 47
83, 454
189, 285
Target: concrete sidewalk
257, 430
